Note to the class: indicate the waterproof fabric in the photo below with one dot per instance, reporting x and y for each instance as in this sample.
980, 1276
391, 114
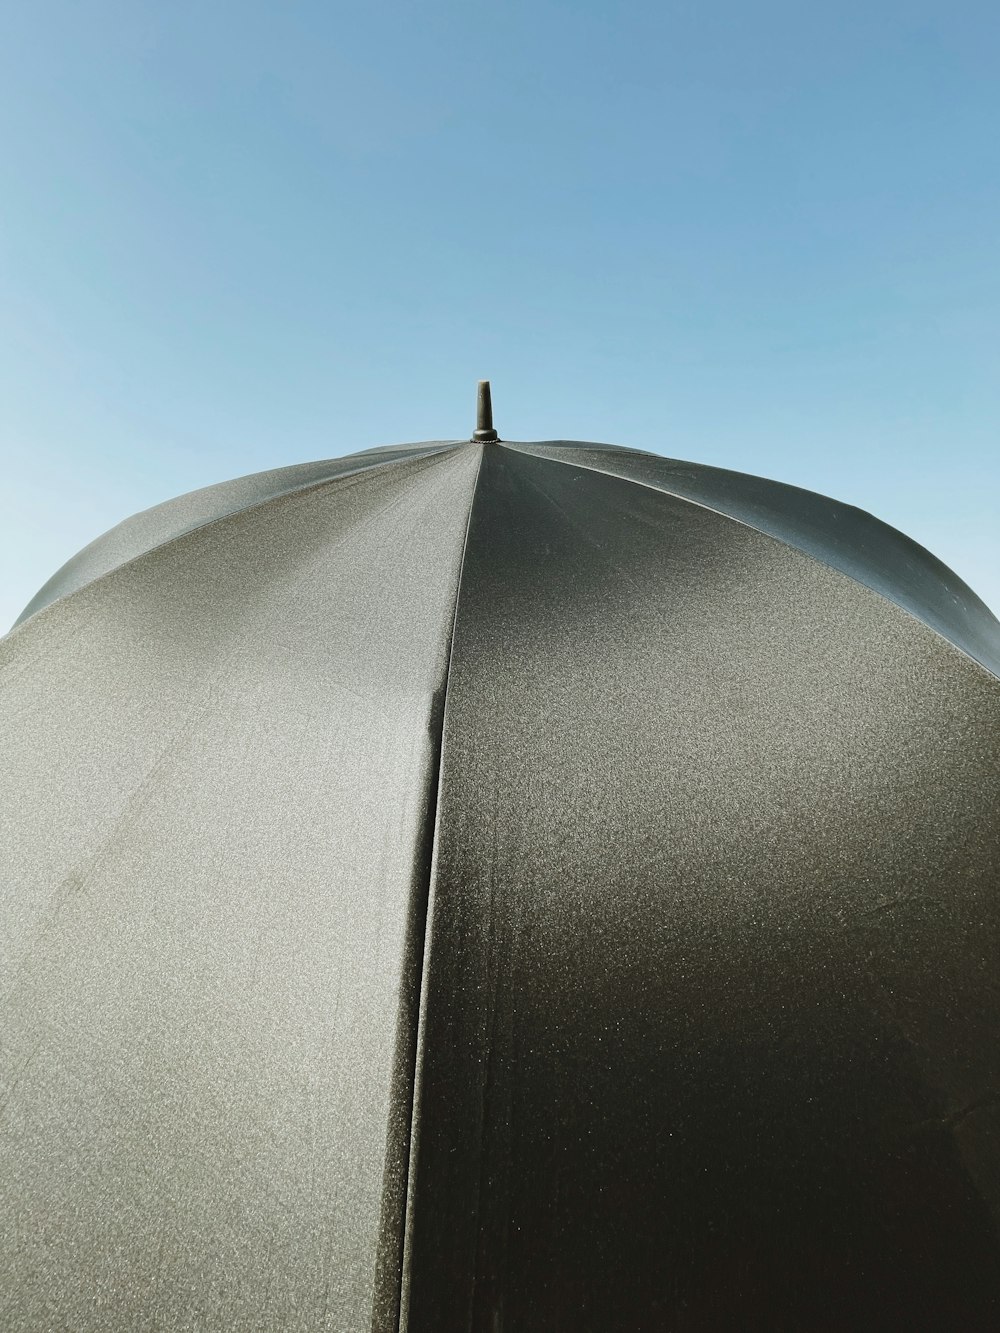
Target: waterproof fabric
501, 887
218, 760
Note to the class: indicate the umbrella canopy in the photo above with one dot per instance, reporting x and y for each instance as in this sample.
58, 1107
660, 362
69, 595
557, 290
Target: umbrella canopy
480, 885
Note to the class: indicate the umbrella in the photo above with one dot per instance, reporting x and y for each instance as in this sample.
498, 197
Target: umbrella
478, 885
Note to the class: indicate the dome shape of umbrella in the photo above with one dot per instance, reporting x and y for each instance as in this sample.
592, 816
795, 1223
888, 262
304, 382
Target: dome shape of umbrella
477, 885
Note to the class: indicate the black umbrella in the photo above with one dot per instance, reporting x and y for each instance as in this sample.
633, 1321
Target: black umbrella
501, 886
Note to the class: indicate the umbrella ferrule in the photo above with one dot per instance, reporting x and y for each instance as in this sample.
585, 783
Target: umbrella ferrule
484, 431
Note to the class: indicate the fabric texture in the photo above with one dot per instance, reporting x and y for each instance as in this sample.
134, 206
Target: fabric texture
710, 1007
507, 886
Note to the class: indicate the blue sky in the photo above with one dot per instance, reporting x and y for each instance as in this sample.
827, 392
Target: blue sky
760, 235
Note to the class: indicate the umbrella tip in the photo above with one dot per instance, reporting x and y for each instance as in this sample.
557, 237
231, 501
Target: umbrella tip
484, 414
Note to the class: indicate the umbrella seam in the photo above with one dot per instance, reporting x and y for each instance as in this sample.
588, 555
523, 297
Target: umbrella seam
433, 808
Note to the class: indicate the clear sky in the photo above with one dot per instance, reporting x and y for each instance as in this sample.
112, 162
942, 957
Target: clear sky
756, 234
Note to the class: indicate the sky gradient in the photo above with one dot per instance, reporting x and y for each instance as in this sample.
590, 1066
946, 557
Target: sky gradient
762, 236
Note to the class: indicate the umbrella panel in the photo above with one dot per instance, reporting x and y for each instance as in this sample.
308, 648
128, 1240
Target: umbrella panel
217, 766
710, 998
